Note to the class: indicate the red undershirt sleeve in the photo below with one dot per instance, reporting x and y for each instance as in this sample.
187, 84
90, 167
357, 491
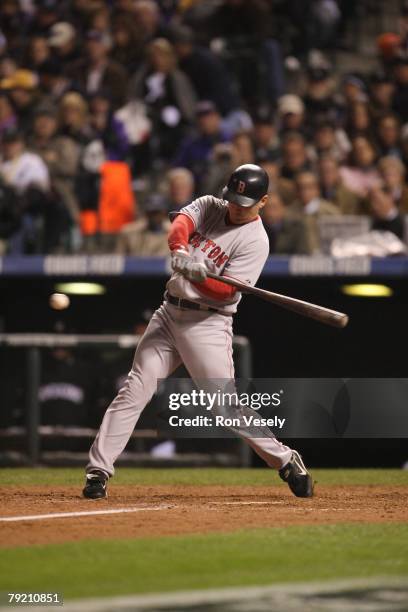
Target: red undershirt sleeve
215, 289
180, 232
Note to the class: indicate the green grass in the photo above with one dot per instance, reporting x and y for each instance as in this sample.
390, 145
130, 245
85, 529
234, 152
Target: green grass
199, 476
256, 557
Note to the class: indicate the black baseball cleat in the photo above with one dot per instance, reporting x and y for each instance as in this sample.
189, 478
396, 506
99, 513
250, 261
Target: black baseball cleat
95, 486
296, 475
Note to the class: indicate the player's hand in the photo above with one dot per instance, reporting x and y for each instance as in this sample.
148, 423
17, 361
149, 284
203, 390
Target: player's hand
181, 262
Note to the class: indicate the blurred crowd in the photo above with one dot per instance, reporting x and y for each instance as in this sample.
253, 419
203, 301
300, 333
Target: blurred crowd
115, 112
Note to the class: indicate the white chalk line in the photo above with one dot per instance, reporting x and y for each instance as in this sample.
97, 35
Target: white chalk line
54, 515
41, 517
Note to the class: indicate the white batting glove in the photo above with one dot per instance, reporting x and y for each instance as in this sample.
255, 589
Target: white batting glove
181, 262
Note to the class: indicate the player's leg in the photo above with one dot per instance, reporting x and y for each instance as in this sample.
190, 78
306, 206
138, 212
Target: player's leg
205, 346
155, 358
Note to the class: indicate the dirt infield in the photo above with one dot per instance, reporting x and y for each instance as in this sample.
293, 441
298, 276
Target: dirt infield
175, 510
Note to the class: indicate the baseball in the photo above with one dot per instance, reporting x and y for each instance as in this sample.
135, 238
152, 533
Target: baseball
59, 301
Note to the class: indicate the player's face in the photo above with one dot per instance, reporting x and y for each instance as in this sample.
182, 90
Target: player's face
239, 215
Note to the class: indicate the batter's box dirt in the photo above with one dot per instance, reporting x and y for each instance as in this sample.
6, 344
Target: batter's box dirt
174, 510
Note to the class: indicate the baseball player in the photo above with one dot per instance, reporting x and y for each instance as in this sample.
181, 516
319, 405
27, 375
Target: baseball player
194, 324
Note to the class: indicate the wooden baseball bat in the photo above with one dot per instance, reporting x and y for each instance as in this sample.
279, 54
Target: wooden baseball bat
313, 311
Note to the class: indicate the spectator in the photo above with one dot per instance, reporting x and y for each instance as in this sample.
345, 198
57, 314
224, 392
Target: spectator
382, 90
19, 168
283, 186
108, 128
385, 214
8, 66
138, 129
294, 155
400, 101
291, 113
100, 20
319, 98
180, 188
168, 94
8, 118
333, 189
358, 120
329, 141
243, 150
324, 21
127, 43
47, 14
265, 137
238, 120
354, 89
148, 236
388, 135
195, 151
403, 26
310, 206
287, 235
96, 71
60, 154
62, 40
125, 8
389, 45
147, 15
220, 165
38, 52
105, 192
205, 70
392, 172
225, 157
22, 89
12, 23
360, 175
80, 13
73, 118
315, 24
241, 31
53, 81
28, 176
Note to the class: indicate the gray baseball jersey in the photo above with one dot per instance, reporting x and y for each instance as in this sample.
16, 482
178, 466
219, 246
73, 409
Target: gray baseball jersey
202, 340
239, 251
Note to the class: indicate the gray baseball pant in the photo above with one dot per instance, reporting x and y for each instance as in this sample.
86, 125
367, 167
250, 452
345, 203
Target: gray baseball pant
203, 342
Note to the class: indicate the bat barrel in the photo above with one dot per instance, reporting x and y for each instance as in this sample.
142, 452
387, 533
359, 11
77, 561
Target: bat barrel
313, 311
330, 317
306, 309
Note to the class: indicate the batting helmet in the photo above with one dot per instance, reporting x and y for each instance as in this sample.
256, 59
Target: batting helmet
247, 185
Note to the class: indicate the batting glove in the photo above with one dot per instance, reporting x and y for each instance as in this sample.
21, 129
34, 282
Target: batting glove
181, 262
